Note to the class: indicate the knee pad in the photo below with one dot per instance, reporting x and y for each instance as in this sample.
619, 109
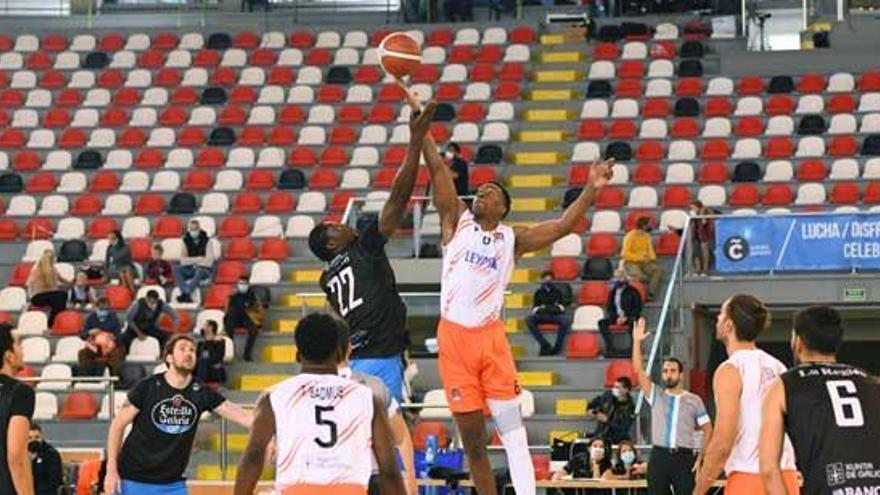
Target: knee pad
506, 414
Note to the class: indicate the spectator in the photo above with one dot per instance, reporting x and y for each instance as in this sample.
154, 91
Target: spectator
44, 286
209, 354
45, 463
592, 464
250, 5
245, 310
82, 295
142, 320
198, 264
158, 270
118, 263
614, 411
459, 10
627, 466
459, 170
622, 310
639, 259
550, 301
703, 236
102, 319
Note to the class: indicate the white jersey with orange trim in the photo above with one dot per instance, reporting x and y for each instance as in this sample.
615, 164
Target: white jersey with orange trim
323, 429
476, 269
757, 370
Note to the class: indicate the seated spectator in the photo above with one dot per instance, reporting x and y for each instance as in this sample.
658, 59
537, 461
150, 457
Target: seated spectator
118, 263
639, 258
614, 411
142, 320
623, 308
198, 263
209, 355
245, 310
102, 318
627, 466
81, 295
592, 464
44, 286
158, 271
459, 10
703, 236
550, 301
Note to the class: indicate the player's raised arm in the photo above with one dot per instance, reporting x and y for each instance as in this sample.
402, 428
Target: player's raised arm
251, 465
405, 180
546, 233
772, 438
445, 198
728, 388
640, 333
390, 481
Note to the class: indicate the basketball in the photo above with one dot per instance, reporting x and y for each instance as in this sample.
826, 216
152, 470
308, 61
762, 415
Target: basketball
106, 342
399, 54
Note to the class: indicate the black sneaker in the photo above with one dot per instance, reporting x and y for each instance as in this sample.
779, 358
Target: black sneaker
184, 298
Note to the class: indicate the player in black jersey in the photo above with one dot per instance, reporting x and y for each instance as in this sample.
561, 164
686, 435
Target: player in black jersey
16, 409
829, 410
359, 281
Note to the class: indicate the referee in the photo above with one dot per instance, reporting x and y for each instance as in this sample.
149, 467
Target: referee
676, 417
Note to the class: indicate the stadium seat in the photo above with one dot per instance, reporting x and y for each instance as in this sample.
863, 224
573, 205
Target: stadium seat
67, 323
582, 345
619, 368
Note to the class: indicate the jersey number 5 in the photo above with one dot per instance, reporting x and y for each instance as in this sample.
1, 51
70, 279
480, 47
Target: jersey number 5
342, 285
847, 410
322, 421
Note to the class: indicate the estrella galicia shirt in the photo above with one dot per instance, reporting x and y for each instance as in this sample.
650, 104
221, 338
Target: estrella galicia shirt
157, 449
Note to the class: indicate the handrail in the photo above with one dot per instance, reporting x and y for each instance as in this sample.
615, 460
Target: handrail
111, 387
664, 312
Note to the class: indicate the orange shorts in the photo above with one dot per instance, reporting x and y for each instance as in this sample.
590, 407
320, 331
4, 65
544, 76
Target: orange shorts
475, 364
339, 489
751, 484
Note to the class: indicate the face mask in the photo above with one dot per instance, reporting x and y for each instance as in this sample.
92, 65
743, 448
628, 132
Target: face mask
102, 313
242, 287
597, 453
194, 233
449, 155
34, 445
628, 457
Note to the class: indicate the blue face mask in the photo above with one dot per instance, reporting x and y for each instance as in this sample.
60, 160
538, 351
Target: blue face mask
102, 313
193, 233
628, 457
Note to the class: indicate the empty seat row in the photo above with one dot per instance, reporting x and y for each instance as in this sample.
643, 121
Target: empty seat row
633, 87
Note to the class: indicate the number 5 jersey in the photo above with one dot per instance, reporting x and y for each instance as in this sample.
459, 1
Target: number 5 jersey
323, 432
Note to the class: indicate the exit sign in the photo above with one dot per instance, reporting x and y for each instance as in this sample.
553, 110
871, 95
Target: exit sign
855, 294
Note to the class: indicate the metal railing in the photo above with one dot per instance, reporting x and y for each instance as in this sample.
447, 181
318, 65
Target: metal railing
109, 380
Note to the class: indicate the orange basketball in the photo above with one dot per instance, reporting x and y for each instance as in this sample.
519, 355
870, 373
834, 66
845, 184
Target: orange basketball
399, 54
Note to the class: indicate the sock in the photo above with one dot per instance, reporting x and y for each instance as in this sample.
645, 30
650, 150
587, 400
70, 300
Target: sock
508, 422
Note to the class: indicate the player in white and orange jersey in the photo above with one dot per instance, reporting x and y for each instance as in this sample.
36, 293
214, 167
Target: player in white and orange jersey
326, 427
476, 364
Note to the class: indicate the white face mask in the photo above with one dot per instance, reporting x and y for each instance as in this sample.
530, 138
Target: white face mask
449, 155
242, 287
628, 457
597, 453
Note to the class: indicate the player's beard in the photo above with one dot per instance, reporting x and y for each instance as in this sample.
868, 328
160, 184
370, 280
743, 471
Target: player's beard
671, 383
184, 368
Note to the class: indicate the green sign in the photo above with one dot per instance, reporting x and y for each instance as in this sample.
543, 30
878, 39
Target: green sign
855, 294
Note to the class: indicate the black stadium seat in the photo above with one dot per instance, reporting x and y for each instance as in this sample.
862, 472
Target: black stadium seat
292, 179
213, 96
221, 136
182, 203
219, 41
95, 61
88, 160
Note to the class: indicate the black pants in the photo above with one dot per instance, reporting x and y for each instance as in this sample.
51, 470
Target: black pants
617, 345
562, 321
238, 318
55, 300
129, 335
671, 471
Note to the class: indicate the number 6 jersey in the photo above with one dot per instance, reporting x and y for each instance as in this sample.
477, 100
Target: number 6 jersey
833, 419
361, 288
323, 434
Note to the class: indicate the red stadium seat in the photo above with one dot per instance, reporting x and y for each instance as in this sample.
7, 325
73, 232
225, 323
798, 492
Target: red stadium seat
232, 115
302, 157
601, 244
240, 248
331, 93
617, 368
367, 75
191, 137
633, 217
779, 105
26, 161
749, 127
224, 76
718, 107
218, 296
86, 205
38, 61
20, 273
507, 91
323, 179
460, 54
198, 181
301, 39
872, 194
11, 98
480, 175
318, 56
260, 180
812, 170
184, 326
104, 182
845, 193
8, 229
685, 128
110, 78
610, 197
750, 85
210, 158
869, 81
512, 72
342, 135
280, 202
811, 83
622, 129
167, 78
843, 146
118, 296
274, 249
582, 345
778, 195
141, 249
206, 58
100, 227
251, 136
149, 204
631, 69
744, 195
663, 50
126, 97
676, 197
425, 74
291, 115
564, 268
242, 95
779, 147
667, 244
53, 43
715, 149
168, 227
149, 159
841, 104
594, 293
184, 96
68, 98
173, 116
247, 202
281, 76
589, 130
67, 323
689, 86
282, 136
38, 228
234, 227
40, 183
482, 73
164, 41
440, 37
79, 406
606, 51
262, 58
131, 138
655, 108
351, 114
72, 138
647, 174
629, 88
471, 112
650, 150
381, 114
334, 156
523, 34
449, 92
339, 201
229, 271
151, 59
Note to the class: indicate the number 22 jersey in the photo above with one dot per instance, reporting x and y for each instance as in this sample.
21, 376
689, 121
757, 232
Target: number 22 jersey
833, 420
361, 288
323, 431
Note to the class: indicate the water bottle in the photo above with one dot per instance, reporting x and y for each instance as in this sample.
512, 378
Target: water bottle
431, 460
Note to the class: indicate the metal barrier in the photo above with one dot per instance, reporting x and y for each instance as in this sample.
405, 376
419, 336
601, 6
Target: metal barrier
110, 380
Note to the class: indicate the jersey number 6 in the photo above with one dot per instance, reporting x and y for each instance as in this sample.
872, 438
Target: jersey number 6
321, 421
840, 403
342, 285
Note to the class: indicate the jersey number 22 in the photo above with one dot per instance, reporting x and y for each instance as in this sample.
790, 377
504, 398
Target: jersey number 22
848, 409
342, 285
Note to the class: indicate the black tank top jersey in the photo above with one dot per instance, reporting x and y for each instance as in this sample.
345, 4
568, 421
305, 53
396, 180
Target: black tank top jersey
833, 420
361, 288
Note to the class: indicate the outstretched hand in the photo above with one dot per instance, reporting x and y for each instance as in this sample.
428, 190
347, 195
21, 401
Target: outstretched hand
640, 332
420, 118
601, 173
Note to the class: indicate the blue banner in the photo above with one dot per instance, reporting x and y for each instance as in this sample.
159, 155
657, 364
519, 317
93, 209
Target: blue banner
797, 242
